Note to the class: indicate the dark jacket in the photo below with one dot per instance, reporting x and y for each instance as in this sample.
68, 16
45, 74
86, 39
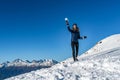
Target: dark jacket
75, 35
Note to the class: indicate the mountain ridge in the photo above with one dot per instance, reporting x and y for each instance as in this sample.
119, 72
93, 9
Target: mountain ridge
19, 66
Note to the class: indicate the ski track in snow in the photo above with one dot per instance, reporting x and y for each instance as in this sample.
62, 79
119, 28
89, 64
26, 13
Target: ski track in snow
105, 65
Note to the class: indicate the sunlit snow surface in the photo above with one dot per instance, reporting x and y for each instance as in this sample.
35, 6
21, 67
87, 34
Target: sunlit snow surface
102, 62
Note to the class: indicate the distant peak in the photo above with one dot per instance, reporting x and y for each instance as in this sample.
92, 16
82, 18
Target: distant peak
18, 60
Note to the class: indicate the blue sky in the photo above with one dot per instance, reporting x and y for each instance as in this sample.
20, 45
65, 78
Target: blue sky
35, 29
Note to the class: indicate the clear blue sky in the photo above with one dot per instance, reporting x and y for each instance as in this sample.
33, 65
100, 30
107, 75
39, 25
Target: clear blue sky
35, 29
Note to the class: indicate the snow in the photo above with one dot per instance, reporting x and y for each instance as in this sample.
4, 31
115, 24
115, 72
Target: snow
102, 62
19, 62
105, 44
66, 19
18, 66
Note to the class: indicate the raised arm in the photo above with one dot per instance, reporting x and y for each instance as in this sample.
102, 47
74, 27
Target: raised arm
68, 26
69, 29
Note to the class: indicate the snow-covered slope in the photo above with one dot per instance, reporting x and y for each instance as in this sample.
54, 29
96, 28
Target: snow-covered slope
102, 62
18, 66
105, 44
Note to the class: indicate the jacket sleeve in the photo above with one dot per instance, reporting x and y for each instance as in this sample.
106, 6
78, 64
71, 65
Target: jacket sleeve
69, 29
79, 37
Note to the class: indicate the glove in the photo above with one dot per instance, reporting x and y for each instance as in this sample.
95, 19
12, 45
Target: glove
85, 37
67, 23
66, 20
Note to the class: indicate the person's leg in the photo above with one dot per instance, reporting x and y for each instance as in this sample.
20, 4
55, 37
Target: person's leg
77, 49
73, 50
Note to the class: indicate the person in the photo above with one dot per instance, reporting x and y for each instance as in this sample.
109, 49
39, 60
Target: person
75, 36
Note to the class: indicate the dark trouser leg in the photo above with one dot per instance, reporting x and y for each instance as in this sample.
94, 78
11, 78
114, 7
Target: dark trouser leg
73, 50
77, 48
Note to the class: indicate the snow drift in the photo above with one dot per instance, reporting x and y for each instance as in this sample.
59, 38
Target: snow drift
105, 44
102, 62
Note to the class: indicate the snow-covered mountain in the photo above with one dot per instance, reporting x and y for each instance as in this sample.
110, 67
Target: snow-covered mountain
102, 62
105, 44
18, 66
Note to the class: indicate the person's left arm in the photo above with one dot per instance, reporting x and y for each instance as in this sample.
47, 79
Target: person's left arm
81, 37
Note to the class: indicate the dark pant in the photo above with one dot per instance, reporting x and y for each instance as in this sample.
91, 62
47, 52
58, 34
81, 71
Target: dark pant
75, 47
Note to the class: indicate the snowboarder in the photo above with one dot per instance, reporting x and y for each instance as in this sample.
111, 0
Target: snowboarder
75, 35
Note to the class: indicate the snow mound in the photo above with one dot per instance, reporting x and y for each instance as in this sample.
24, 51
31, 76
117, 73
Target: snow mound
102, 65
108, 43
